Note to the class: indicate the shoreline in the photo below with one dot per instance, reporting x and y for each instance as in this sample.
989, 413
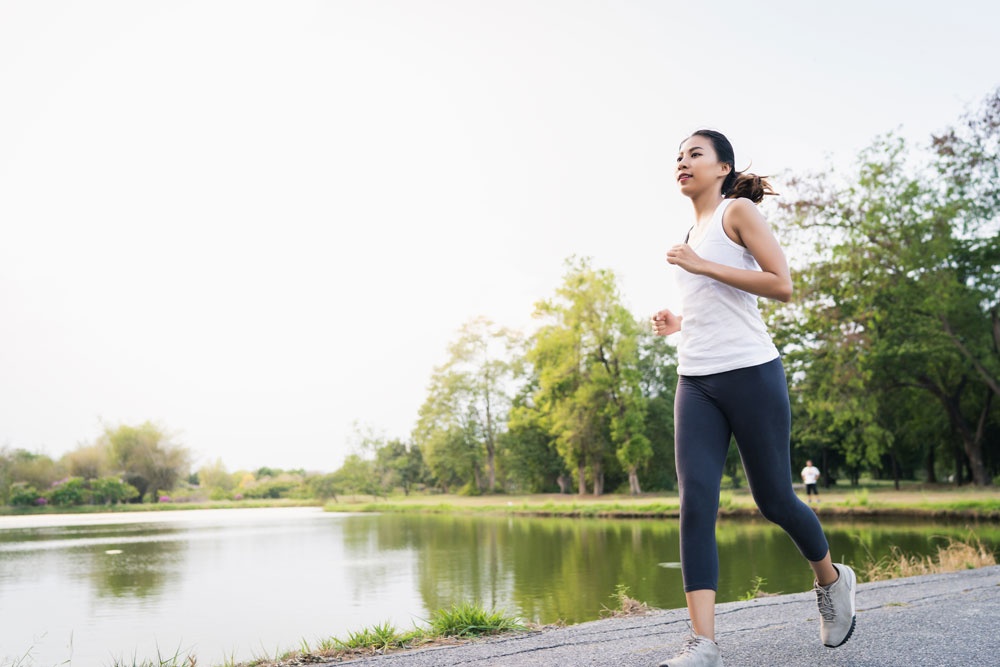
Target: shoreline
917, 504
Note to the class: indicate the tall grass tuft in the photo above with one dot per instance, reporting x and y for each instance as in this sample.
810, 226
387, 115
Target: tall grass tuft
377, 638
175, 660
471, 619
626, 604
757, 590
956, 555
858, 499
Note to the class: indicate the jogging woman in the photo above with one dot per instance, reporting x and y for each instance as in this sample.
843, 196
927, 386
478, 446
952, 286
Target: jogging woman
732, 383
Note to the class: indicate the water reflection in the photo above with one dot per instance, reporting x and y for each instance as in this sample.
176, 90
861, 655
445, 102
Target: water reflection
119, 561
548, 570
140, 570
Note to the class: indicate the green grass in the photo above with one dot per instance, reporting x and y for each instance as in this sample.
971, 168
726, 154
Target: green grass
468, 619
178, 659
464, 620
7, 510
625, 604
756, 589
867, 500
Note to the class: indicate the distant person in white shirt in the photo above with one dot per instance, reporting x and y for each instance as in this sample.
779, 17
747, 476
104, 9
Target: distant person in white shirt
810, 475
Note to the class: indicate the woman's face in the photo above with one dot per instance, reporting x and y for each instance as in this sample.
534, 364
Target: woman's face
698, 166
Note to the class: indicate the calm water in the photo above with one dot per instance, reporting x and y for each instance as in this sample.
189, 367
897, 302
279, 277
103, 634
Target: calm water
237, 584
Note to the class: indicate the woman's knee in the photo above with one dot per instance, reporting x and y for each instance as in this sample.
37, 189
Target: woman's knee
781, 511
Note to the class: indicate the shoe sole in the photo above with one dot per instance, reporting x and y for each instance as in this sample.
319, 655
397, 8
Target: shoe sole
854, 621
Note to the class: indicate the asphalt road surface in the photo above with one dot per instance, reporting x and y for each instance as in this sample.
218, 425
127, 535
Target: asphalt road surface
933, 620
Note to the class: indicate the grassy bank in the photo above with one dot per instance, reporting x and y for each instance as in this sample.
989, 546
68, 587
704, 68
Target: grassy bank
159, 507
871, 500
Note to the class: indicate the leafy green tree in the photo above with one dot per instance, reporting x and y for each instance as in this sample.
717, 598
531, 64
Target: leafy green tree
530, 458
357, 476
467, 406
34, 469
897, 292
324, 487
400, 466
147, 458
658, 383
219, 482
586, 357
88, 461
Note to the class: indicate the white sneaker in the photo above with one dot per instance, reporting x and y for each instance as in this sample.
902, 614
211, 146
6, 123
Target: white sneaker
698, 651
836, 608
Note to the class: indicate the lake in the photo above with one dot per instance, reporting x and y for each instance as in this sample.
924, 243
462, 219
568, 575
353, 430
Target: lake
233, 585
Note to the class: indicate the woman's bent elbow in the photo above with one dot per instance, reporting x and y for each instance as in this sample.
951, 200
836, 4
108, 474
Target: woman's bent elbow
784, 293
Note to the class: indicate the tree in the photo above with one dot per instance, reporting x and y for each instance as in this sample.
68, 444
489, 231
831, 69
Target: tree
586, 357
34, 469
219, 481
87, 461
530, 457
400, 465
146, 457
968, 159
898, 291
467, 406
658, 383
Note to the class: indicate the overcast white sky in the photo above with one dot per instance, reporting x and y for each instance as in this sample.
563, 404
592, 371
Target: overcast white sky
259, 222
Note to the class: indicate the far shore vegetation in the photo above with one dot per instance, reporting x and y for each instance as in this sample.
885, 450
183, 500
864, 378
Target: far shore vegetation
870, 499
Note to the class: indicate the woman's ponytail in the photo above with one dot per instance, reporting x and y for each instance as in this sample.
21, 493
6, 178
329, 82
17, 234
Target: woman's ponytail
745, 184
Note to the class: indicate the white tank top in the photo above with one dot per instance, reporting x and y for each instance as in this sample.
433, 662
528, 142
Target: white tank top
722, 328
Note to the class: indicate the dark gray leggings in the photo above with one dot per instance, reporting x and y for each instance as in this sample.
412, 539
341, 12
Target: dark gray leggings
752, 404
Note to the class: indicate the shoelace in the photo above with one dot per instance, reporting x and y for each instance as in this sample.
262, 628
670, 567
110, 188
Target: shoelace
825, 603
691, 645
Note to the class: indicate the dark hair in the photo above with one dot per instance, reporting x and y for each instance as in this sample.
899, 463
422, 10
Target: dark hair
737, 183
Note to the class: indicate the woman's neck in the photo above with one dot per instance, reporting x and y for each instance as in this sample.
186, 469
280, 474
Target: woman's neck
705, 205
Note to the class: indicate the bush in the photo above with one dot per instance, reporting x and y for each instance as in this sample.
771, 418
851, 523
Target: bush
23, 495
276, 489
111, 491
70, 491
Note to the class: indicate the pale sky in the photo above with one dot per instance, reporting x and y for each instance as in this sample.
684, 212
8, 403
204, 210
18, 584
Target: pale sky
259, 222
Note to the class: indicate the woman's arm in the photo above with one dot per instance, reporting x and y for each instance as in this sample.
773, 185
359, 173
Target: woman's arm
773, 281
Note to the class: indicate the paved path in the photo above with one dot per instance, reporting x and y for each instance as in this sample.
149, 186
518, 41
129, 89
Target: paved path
942, 619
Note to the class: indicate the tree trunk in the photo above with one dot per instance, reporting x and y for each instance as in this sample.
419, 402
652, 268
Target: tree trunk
929, 466
827, 477
972, 440
895, 470
491, 468
598, 479
959, 465
491, 448
564, 482
581, 478
478, 477
633, 482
